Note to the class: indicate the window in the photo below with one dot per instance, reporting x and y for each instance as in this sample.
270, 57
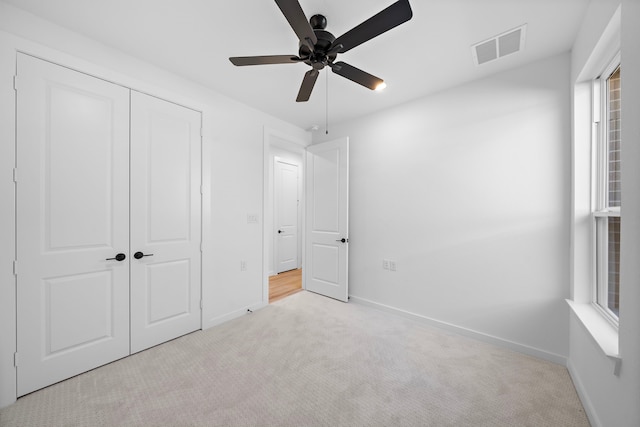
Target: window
607, 195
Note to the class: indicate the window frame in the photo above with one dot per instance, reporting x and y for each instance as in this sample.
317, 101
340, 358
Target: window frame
601, 211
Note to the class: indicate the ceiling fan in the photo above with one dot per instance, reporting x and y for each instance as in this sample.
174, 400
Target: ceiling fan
319, 48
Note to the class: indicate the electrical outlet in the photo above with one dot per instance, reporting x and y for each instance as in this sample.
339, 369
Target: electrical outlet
243, 265
385, 264
252, 218
392, 265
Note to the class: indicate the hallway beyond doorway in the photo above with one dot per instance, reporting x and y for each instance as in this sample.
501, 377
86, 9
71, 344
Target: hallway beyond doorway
284, 284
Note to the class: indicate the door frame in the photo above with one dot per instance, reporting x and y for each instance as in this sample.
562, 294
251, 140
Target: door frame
273, 138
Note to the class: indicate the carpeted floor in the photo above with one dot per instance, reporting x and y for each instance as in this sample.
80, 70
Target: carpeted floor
312, 361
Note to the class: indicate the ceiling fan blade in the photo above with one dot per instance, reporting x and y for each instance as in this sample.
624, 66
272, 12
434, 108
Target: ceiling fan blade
396, 14
292, 10
356, 75
308, 83
264, 60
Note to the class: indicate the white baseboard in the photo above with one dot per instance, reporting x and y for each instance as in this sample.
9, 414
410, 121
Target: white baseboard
480, 336
584, 397
233, 315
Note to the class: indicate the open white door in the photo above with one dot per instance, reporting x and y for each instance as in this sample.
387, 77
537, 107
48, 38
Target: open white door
327, 224
286, 213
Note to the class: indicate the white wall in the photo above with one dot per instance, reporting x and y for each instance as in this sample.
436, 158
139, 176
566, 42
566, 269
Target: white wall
610, 400
233, 170
630, 268
468, 191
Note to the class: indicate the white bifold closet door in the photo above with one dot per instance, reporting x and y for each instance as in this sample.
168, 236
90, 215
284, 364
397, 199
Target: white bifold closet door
165, 221
89, 196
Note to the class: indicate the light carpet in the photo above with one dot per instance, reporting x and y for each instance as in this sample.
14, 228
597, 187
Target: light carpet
312, 361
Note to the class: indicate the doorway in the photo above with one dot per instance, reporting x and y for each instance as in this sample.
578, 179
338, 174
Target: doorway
287, 190
324, 213
283, 215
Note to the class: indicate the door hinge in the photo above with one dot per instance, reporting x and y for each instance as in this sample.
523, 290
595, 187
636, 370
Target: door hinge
15, 267
202, 189
15, 83
15, 359
201, 305
15, 174
201, 247
201, 133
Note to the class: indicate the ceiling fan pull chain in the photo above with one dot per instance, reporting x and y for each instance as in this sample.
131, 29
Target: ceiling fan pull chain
327, 115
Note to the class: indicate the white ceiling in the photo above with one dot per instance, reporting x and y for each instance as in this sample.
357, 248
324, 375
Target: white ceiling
194, 38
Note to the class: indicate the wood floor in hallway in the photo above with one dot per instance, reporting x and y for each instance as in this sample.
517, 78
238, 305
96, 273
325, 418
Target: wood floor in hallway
284, 284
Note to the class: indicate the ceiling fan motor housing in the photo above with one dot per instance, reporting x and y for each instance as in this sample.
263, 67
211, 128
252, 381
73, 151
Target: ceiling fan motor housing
318, 22
318, 59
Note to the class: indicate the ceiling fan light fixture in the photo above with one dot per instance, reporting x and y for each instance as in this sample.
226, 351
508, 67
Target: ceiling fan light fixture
319, 48
381, 86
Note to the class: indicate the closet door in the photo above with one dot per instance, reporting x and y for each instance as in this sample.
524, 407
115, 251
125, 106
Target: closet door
165, 221
72, 220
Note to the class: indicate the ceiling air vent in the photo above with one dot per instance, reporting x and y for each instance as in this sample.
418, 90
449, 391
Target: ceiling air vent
501, 45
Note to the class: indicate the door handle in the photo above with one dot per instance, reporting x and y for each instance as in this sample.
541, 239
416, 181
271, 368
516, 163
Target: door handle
119, 257
280, 231
343, 240
139, 255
